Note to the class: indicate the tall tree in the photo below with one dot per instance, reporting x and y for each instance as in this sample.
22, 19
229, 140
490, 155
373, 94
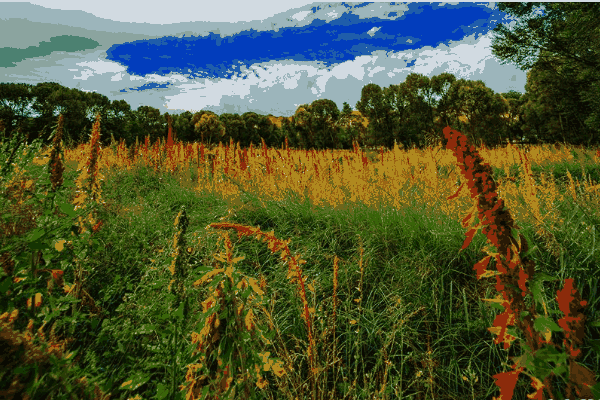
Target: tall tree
546, 116
477, 111
234, 128
351, 127
440, 85
183, 127
583, 30
563, 43
45, 110
274, 137
73, 105
208, 128
288, 131
324, 115
16, 102
148, 122
378, 111
257, 127
513, 119
117, 115
569, 30
415, 101
95, 103
302, 134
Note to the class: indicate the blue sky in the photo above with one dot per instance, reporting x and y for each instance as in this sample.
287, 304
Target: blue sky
238, 56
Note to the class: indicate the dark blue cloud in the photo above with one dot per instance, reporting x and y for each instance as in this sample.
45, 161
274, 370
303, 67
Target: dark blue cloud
330, 43
149, 85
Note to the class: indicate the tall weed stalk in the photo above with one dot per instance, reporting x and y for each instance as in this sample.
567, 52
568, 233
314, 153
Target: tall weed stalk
516, 281
37, 361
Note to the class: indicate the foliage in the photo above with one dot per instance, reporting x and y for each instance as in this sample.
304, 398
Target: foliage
316, 124
183, 127
208, 128
104, 299
374, 105
351, 127
480, 107
560, 47
302, 135
257, 127
151, 122
234, 129
417, 104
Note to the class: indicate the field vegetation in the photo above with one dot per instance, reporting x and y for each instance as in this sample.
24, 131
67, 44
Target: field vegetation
168, 270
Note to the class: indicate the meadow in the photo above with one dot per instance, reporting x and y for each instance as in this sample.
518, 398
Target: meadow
172, 271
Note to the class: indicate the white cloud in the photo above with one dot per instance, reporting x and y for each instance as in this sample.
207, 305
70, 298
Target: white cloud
301, 15
159, 12
117, 77
372, 31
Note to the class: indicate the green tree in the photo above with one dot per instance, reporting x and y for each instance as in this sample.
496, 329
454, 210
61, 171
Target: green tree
72, 103
208, 128
134, 130
420, 109
546, 116
274, 138
16, 101
351, 128
476, 111
568, 30
378, 111
257, 127
301, 134
513, 119
93, 104
440, 86
571, 101
183, 127
234, 129
414, 102
324, 114
147, 121
46, 111
118, 113
288, 131
346, 109
563, 45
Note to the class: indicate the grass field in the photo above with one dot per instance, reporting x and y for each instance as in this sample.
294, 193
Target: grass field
394, 306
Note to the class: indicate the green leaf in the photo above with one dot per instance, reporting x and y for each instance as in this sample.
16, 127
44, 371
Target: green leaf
542, 324
245, 335
38, 245
246, 293
595, 343
5, 284
162, 391
145, 329
497, 306
179, 313
224, 314
36, 234
596, 391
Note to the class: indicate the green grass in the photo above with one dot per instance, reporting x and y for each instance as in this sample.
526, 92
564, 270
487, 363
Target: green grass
411, 260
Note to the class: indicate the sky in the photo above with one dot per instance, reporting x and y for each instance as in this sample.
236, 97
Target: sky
267, 57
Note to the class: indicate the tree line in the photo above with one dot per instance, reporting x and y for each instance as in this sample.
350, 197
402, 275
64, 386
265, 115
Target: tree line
560, 50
